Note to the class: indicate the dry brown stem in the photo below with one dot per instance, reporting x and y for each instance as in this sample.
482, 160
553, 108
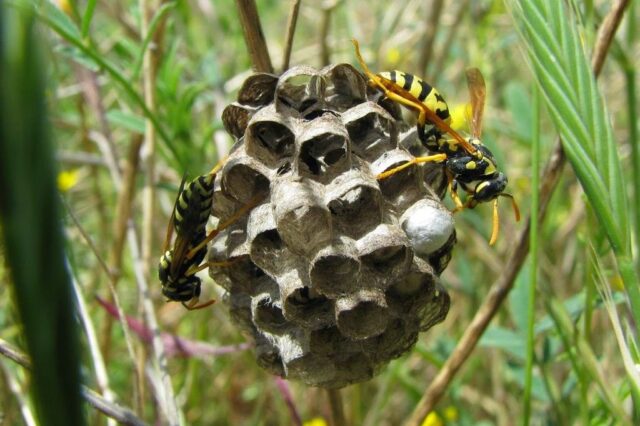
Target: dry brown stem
253, 36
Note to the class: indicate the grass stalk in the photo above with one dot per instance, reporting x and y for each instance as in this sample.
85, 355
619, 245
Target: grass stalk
632, 100
102, 378
431, 29
87, 17
19, 394
325, 26
337, 407
533, 259
254, 36
149, 72
291, 30
117, 412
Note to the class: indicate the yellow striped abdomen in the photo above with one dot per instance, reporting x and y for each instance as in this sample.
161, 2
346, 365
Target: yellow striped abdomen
421, 90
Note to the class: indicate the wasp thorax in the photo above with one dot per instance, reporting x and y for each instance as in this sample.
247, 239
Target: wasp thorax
334, 273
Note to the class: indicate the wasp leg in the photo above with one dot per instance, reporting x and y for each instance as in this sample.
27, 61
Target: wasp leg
436, 158
192, 305
233, 219
453, 190
205, 265
496, 224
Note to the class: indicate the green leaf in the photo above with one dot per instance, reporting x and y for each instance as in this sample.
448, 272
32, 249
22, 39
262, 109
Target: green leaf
507, 340
32, 230
562, 70
127, 120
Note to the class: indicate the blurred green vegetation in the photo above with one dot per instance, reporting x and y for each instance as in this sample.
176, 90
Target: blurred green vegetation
95, 100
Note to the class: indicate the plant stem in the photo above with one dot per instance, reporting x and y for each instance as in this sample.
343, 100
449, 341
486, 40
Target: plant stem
533, 250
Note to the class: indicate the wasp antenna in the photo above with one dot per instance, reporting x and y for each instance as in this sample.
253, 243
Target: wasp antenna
363, 64
516, 209
496, 224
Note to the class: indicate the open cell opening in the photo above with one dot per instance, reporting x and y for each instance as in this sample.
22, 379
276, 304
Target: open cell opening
306, 307
270, 142
244, 182
365, 319
319, 154
335, 274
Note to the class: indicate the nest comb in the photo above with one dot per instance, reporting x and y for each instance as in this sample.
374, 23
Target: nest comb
334, 273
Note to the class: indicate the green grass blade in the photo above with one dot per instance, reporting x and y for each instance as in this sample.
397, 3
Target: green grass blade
153, 25
533, 250
87, 18
577, 110
33, 237
73, 37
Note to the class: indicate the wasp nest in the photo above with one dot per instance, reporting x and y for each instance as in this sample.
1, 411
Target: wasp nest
333, 273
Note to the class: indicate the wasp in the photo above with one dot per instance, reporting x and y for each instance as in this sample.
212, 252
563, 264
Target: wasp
179, 264
468, 162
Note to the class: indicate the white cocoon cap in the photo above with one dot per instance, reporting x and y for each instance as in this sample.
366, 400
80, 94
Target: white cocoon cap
428, 226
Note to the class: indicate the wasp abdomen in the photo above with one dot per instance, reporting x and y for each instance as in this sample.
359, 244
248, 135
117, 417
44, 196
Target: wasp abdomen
194, 206
421, 90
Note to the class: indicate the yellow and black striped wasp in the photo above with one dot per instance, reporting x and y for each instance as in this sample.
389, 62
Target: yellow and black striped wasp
468, 162
179, 265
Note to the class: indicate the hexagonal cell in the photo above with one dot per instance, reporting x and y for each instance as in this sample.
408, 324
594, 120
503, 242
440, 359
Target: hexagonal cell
362, 315
235, 118
311, 368
404, 187
301, 304
258, 89
268, 355
355, 203
346, 86
389, 105
267, 313
240, 310
372, 130
245, 179
397, 339
303, 221
386, 251
324, 149
435, 176
335, 269
223, 207
267, 249
352, 368
436, 308
418, 292
300, 88
440, 258
269, 138
330, 341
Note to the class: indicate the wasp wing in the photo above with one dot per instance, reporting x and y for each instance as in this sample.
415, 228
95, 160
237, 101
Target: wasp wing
477, 96
170, 226
433, 118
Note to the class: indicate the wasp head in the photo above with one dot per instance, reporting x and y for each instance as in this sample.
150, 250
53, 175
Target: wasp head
490, 189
